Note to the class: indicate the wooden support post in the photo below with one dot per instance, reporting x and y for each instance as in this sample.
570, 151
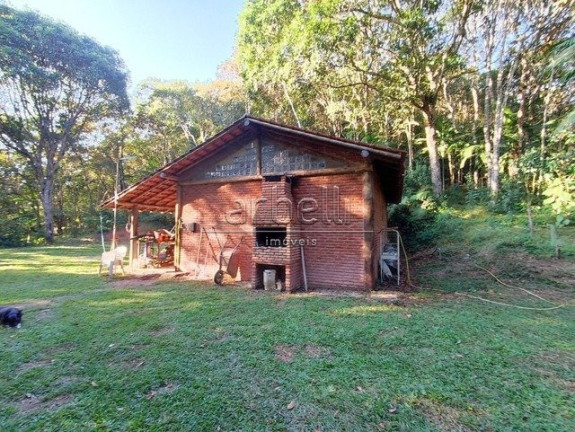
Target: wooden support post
134, 244
178, 216
368, 227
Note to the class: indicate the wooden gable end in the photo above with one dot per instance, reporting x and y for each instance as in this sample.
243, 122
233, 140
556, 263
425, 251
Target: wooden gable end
266, 156
238, 159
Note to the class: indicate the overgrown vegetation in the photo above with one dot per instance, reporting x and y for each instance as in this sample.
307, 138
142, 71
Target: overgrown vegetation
478, 93
158, 354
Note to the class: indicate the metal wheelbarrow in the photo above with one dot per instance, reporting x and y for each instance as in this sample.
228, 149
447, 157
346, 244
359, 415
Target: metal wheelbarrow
229, 263
228, 259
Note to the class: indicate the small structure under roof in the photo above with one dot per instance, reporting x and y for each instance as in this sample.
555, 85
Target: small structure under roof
310, 207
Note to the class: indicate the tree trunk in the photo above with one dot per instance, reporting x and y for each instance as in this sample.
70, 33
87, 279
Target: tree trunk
474, 166
452, 170
495, 152
431, 141
519, 146
543, 138
492, 184
499, 115
410, 150
47, 198
487, 137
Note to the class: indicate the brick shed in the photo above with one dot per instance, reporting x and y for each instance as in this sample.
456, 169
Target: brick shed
309, 206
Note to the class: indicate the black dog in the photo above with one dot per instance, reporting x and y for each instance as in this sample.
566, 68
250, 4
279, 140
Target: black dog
10, 316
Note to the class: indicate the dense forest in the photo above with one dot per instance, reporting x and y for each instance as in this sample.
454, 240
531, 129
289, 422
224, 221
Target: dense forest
479, 93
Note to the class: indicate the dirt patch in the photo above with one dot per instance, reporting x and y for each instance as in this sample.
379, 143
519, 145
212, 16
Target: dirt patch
389, 296
34, 304
32, 365
32, 403
549, 277
328, 294
172, 275
285, 353
162, 331
316, 351
396, 298
133, 364
443, 417
544, 274
44, 314
60, 348
140, 281
149, 277
166, 389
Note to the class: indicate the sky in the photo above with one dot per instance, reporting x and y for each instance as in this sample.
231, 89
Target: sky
166, 39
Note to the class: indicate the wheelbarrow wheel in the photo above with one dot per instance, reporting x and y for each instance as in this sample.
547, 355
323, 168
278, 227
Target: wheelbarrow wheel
219, 277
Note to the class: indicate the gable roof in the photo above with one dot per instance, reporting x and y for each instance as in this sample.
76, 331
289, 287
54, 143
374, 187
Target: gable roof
158, 191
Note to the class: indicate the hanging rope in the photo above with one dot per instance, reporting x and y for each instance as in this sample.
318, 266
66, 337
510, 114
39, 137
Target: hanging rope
408, 279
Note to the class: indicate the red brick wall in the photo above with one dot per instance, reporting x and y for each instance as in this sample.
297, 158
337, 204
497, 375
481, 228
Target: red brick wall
333, 242
227, 207
327, 216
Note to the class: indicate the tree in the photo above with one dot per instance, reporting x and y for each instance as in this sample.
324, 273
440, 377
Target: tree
506, 46
55, 85
171, 117
563, 67
19, 205
358, 56
424, 39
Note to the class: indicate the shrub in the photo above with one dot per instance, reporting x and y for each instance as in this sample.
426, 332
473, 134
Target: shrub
414, 223
510, 199
477, 196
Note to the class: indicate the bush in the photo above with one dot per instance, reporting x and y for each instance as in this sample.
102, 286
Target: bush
417, 181
477, 196
415, 224
510, 199
455, 195
15, 233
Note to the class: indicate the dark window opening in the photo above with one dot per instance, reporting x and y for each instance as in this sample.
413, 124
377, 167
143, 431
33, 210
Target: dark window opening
273, 178
271, 237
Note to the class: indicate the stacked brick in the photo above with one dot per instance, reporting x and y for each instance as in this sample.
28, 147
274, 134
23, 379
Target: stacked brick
333, 217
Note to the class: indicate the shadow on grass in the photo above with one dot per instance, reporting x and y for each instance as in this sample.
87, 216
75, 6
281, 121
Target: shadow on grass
191, 356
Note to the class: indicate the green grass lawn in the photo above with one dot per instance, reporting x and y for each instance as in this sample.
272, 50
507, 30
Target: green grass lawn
186, 356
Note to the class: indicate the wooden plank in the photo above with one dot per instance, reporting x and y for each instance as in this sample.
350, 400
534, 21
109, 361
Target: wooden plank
178, 217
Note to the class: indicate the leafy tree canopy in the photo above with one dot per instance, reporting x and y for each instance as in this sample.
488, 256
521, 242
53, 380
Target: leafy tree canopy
55, 84
45, 54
